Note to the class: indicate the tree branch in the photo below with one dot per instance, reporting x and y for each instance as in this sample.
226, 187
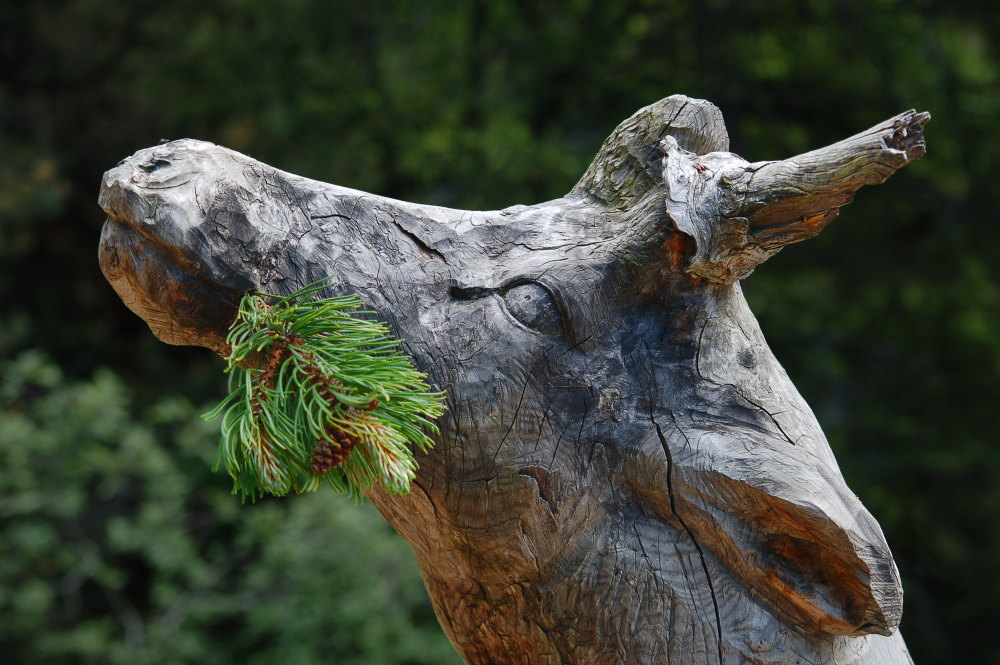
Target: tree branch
817, 182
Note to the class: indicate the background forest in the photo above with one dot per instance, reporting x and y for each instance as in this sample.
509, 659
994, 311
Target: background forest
119, 544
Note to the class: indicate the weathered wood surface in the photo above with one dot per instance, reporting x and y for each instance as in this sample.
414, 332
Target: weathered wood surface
625, 474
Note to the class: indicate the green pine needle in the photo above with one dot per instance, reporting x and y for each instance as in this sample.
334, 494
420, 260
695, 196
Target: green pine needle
316, 394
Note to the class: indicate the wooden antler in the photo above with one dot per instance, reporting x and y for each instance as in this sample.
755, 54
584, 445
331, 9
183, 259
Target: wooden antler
740, 214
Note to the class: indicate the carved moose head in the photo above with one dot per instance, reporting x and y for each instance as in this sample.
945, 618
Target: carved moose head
625, 474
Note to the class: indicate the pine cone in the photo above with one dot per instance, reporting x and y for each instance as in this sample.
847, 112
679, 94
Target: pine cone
278, 354
330, 454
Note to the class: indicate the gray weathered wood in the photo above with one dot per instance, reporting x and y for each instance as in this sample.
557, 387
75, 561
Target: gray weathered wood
625, 474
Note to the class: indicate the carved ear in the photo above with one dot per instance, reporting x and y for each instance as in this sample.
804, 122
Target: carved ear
629, 163
802, 543
780, 520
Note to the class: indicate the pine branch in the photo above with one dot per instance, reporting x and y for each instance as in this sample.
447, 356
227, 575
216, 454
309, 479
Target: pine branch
317, 393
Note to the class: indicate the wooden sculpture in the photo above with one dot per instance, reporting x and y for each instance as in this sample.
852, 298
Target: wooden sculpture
625, 474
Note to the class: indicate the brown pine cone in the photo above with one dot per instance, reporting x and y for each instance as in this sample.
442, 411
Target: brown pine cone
324, 457
278, 354
330, 454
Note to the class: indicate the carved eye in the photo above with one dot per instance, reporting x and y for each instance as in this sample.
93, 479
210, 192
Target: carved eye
533, 305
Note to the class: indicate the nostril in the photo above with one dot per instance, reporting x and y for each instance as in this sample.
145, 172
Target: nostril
155, 165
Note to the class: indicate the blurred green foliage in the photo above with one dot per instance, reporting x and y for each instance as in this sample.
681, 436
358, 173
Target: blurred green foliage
128, 550
120, 542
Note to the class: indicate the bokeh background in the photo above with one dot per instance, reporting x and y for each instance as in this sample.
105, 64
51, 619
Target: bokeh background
119, 543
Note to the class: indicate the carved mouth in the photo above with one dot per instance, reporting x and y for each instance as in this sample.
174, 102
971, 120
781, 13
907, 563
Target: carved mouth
181, 305
140, 255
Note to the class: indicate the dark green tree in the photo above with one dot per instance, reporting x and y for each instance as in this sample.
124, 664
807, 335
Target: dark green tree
888, 323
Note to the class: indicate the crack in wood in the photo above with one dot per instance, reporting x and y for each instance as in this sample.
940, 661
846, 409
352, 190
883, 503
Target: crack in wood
687, 529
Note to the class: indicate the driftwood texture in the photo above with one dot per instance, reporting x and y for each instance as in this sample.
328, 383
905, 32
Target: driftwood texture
625, 474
